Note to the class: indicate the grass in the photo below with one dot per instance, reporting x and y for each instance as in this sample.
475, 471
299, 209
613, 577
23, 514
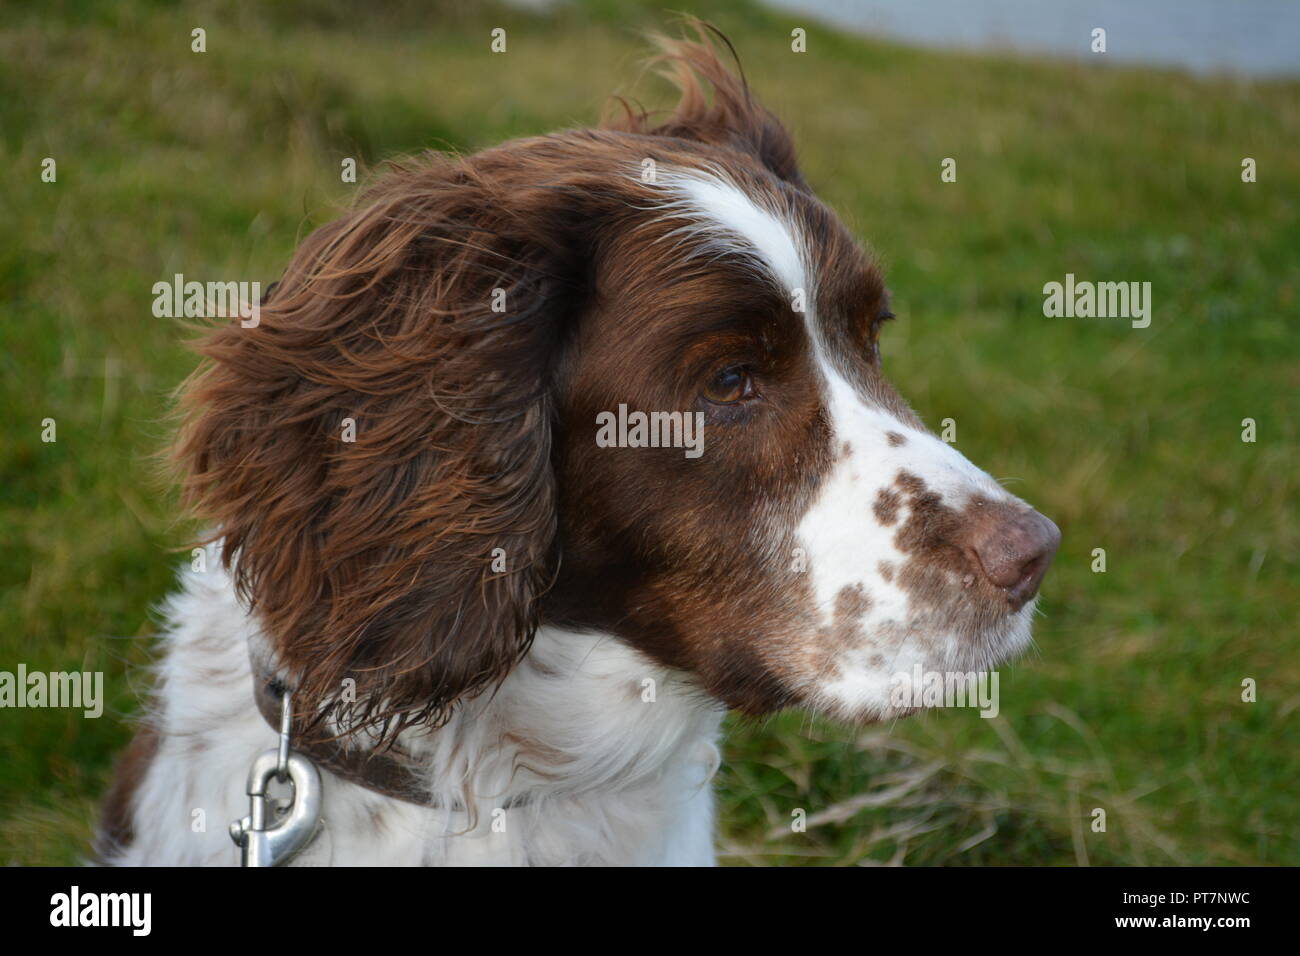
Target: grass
215, 164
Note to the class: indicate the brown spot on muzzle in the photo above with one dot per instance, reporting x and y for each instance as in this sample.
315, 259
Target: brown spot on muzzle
845, 630
851, 603
886, 506
895, 439
933, 537
946, 571
851, 606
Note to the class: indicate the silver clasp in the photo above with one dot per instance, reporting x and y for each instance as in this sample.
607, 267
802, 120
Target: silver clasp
275, 830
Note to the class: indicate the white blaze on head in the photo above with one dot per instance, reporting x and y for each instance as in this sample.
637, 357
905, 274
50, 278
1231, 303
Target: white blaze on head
722, 218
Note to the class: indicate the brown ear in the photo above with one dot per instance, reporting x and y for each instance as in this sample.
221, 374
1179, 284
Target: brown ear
732, 118
377, 558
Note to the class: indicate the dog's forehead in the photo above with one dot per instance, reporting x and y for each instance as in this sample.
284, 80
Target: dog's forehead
795, 240
791, 241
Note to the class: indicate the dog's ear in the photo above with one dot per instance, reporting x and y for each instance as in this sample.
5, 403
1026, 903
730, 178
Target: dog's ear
376, 451
731, 118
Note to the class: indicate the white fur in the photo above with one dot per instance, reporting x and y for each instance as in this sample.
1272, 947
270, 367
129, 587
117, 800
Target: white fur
721, 218
614, 779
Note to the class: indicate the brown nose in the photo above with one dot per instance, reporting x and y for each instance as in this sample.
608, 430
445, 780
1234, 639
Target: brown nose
1014, 548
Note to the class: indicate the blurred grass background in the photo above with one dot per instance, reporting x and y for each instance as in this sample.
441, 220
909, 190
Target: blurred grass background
216, 164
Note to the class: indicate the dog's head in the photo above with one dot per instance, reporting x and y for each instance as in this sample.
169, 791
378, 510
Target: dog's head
443, 432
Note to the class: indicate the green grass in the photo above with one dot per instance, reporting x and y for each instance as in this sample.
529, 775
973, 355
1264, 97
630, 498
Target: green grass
216, 164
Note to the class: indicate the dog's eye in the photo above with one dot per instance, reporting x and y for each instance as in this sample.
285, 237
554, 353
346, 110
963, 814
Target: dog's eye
876, 323
732, 384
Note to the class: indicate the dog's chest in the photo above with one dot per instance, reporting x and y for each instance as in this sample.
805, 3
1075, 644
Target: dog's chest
586, 754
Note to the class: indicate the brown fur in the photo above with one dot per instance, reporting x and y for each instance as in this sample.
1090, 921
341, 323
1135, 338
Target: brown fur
116, 826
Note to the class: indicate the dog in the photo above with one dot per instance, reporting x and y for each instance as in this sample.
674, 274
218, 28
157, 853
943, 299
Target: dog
495, 629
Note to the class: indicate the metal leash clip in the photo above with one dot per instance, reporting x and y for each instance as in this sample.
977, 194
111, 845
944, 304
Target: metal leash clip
275, 830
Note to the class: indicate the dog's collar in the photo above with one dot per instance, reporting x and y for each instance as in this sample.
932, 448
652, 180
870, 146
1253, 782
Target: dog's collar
389, 772
276, 831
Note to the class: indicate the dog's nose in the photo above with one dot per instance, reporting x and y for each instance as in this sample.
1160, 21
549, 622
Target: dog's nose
1014, 549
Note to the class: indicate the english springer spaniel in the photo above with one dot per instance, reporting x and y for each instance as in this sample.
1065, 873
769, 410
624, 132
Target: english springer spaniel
505, 628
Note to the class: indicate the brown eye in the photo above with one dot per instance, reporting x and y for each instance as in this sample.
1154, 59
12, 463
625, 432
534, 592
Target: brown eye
729, 386
879, 320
